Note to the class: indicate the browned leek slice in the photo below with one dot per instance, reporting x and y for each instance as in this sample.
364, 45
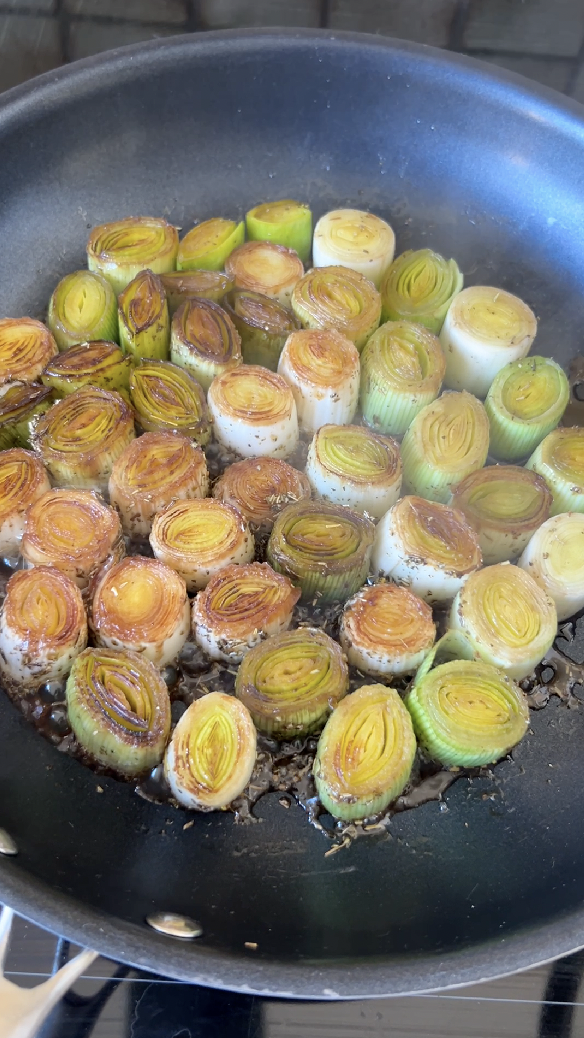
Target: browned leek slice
386, 630
199, 538
23, 479
26, 346
260, 488
204, 340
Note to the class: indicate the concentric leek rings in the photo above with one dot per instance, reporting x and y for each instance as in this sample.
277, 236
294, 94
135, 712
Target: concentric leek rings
254, 412
420, 286
339, 298
82, 307
99, 363
144, 322
348, 465
168, 399
322, 368
264, 267
121, 249
23, 479
386, 630
204, 340
260, 488
559, 458
199, 538
26, 346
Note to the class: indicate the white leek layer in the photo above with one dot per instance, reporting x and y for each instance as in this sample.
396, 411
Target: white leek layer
355, 239
554, 558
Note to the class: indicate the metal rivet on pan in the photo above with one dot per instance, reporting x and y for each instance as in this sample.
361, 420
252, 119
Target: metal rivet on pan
175, 925
7, 844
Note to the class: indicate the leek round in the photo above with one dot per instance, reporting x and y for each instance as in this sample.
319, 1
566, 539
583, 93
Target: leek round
365, 754
355, 239
199, 538
207, 246
420, 286
263, 267
26, 347
23, 479
167, 399
290, 683
285, 222
349, 465
20, 405
322, 369
190, 284
525, 402
554, 558
240, 607
386, 630
120, 250
338, 298
260, 488
83, 307
204, 340
96, 363
559, 458
263, 325
144, 322
254, 412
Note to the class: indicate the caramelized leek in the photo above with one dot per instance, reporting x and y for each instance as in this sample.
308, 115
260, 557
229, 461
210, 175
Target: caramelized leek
446, 441
120, 250
26, 347
20, 405
207, 246
263, 324
82, 307
352, 238
525, 402
199, 538
348, 465
89, 364
284, 223
386, 631
420, 286
323, 548
119, 709
339, 298
269, 269
144, 323
260, 488
23, 479
154, 471
402, 367
212, 753
42, 628
559, 458
167, 399
253, 412
322, 369
291, 683
427, 546
240, 607
204, 340
365, 754
554, 558
191, 284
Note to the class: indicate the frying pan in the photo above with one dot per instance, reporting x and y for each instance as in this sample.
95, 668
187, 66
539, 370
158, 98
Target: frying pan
480, 165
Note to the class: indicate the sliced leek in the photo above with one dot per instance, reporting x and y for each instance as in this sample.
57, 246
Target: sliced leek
420, 286
559, 458
349, 465
339, 298
20, 405
386, 630
484, 329
97, 363
240, 607
426, 546
323, 548
263, 325
207, 246
554, 558
402, 367
260, 488
190, 284
365, 754
120, 250
167, 399
254, 412
447, 440
355, 239
144, 322
509, 619
322, 369
199, 538
23, 479
82, 308
263, 267
505, 504
204, 340
525, 402
290, 683
285, 222
73, 530
42, 628
154, 471
26, 347
212, 753
119, 709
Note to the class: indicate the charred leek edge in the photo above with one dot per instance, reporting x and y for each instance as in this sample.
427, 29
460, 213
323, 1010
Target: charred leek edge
323, 548
190, 284
484, 329
199, 538
96, 363
505, 504
554, 558
254, 412
42, 627
26, 347
207, 246
339, 298
23, 479
263, 267
467, 713
402, 367
82, 307
447, 440
355, 239
144, 322
386, 630
212, 753
80, 437
291, 683
285, 222
509, 619
204, 340
525, 402
119, 709
20, 405
73, 530
365, 754
263, 324
141, 604
322, 369
420, 286
167, 399
121, 249
154, 471
260, 488
426, 546
240, 607
348, 465
559, 458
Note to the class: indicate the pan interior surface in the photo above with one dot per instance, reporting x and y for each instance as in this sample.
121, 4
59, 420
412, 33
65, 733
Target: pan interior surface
458, 158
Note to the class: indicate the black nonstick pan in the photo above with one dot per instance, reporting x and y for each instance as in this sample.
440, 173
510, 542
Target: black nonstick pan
484, 167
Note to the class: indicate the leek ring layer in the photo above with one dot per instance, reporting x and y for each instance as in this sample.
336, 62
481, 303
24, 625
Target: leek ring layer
554, 558
180, 285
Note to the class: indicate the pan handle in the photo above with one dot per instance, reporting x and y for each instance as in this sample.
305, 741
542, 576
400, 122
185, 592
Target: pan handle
23, 1010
